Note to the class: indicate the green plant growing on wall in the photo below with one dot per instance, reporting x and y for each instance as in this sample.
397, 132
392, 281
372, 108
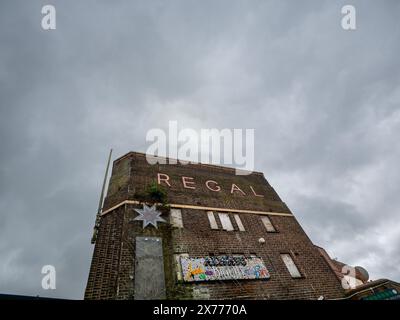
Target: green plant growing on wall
156, 193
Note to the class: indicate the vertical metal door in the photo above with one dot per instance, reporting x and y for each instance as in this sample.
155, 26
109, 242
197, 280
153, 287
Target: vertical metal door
149, 269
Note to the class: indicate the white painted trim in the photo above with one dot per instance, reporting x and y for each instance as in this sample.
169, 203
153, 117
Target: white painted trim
185, 206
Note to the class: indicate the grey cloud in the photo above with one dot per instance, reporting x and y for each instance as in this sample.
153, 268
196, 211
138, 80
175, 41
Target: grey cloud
324, 104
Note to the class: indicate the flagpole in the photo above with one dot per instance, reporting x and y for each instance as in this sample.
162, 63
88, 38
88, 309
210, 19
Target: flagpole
100, 207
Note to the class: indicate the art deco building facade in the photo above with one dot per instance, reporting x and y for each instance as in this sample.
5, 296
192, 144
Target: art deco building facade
199, 231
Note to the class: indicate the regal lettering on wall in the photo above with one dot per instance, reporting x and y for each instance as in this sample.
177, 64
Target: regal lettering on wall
211, 185
222, 268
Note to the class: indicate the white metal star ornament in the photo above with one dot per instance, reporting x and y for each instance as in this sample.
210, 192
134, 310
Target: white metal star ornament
149, 215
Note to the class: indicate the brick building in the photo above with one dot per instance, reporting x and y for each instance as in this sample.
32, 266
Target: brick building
211, 235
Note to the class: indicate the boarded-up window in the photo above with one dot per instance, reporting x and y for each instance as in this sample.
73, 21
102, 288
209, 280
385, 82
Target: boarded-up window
268, 224
290, 265
176, 218
149, 269
211, 219
239, 222
225, 221
351, 281
178, 266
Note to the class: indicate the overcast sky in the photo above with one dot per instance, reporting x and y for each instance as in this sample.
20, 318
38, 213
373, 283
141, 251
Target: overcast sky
324, 103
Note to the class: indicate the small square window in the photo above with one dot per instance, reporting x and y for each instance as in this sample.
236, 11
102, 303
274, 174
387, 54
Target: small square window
268, 224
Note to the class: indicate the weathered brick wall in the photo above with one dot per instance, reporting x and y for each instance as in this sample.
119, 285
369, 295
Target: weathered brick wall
104, 268
132, 174
198, 239
113, 266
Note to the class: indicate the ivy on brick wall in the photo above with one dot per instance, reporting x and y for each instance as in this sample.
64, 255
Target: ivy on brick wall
156, 193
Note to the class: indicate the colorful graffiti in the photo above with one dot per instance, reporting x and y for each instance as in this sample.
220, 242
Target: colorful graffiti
223, 268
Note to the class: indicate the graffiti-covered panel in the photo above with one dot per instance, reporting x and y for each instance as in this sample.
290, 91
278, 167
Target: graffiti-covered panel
223, 268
